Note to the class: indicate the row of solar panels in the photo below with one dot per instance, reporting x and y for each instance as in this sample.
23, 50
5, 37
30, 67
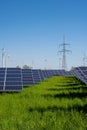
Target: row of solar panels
31, 77
80, 73
10, 79
14, 79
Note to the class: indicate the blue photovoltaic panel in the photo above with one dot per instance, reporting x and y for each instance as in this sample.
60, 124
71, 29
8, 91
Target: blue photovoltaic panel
36, 75
48, 73
27, 77
41, 75
13, 69
13, 80
13, 83
2, 78
80, 73
13, 74
13, 88
44, 74
2, 70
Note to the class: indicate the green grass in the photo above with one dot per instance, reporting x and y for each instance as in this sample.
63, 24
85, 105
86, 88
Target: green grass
58, 103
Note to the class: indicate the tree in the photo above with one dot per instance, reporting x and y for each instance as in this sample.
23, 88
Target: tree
17, 66
27, 67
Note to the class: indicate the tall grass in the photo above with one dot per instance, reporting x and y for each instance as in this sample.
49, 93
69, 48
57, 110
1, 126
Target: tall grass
58, 103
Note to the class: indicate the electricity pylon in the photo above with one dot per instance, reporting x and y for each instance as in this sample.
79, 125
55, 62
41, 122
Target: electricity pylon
63, 52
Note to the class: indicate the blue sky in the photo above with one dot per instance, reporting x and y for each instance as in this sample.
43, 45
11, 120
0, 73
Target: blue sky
31, 31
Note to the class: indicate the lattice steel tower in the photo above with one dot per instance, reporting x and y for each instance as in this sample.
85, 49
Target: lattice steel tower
63, 52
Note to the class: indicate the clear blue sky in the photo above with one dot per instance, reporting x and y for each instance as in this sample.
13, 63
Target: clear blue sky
31, 31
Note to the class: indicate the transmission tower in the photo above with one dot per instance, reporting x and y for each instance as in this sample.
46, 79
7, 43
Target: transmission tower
63, 52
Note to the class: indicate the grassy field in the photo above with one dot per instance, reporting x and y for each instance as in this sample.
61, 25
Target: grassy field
58, 103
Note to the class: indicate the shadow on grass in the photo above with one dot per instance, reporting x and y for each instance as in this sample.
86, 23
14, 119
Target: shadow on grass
66, 85
69, 95
56, 108
83, 88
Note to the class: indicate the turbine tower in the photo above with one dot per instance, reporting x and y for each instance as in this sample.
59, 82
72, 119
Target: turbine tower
3, 53
63, 52
84, 60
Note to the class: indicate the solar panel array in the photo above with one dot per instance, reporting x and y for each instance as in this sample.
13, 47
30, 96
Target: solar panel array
13, 79
32, 76
10, 79
80, 73
50, 73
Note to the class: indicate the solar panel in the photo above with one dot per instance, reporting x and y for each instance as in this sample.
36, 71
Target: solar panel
27, 77
36, 75
2, 78
13, 79
49, 73
41, 75
45, 74
80, 73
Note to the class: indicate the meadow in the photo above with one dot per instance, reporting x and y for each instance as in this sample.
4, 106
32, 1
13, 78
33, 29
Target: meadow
57, 103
